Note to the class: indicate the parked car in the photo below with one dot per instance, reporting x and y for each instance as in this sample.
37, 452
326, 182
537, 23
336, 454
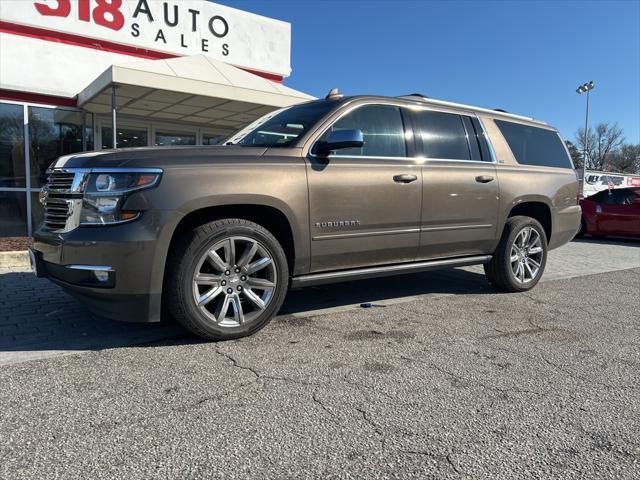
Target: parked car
328, 191
611, 212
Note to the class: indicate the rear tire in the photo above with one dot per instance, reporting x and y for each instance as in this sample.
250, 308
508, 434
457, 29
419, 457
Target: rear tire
519, 260
226, 279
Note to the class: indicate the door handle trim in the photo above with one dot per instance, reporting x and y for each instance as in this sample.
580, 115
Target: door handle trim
484, 179
405, 178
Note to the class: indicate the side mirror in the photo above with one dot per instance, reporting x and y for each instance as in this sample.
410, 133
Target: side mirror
340, 139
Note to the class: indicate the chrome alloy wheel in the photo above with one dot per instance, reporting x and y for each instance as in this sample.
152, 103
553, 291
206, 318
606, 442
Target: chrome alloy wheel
526, 255
234, 281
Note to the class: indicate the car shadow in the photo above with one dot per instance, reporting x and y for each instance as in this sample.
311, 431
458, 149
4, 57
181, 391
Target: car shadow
36, 316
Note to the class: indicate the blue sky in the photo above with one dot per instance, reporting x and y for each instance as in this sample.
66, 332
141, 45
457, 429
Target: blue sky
525, 57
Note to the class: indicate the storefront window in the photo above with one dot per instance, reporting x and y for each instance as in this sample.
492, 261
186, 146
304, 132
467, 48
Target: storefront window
12, 172
52, 132
164, 139
37, 211
13, 214
212, 138
88, 132
127, 137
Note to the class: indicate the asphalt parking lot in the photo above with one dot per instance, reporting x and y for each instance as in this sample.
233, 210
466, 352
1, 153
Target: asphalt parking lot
446, 378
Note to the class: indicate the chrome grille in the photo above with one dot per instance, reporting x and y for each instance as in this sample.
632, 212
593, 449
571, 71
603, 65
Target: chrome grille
56, 213
62, 199
60, 180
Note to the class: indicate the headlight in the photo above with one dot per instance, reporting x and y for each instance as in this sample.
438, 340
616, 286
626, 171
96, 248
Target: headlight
106, 192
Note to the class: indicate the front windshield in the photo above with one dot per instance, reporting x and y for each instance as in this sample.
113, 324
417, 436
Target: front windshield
282, 127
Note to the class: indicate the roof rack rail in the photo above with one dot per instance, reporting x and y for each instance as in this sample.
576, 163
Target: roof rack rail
433, 101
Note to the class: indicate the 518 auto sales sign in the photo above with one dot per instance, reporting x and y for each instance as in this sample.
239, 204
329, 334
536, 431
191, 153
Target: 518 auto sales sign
178, 27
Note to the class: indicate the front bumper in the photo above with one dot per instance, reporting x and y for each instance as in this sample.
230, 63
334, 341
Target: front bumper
130, 258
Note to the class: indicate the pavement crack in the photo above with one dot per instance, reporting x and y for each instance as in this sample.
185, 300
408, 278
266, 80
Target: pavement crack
464, 381
440, 458
236, 364
316, 399
453, 465
581, 378
374, 426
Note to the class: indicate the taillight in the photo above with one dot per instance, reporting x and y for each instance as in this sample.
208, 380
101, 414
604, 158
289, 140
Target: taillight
580, 192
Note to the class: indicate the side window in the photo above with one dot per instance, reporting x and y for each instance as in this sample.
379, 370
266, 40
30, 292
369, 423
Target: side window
382, 131
622, 197
598, 197
610, 198
443, 135
534, 146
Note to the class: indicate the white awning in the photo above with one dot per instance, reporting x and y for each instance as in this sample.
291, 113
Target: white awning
195, 89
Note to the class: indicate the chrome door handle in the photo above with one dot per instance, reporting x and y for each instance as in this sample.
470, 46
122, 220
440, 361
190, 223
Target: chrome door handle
484, 179
404, 178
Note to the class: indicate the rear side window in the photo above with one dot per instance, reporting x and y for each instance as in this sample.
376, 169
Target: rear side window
443, 135
534, 146
382, 131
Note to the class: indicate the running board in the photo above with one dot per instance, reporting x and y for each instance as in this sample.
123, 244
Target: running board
388, 270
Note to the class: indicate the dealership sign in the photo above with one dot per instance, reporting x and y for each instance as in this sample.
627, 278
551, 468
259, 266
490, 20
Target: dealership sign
178, 27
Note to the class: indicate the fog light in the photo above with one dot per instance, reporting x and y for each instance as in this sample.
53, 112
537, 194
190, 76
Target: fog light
101, 275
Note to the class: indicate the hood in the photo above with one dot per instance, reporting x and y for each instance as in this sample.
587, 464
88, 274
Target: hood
158, 157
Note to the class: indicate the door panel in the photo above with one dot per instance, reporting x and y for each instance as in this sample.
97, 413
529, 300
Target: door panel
619, 219
459, 208
359, 214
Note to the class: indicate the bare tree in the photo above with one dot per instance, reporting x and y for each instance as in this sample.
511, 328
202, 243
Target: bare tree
601, 143
626, 159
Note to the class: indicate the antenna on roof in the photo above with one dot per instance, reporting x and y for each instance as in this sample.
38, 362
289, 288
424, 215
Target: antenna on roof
334, 94
500, 110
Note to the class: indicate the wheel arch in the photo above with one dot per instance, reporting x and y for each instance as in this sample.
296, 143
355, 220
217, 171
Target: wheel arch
270, 217
536, 208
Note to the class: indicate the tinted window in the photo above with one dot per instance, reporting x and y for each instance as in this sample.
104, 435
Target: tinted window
382, 131
534, 146
443, 135
282, 127
598, 197
619, 197
472, 138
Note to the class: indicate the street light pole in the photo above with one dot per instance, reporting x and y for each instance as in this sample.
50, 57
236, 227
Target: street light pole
586, 87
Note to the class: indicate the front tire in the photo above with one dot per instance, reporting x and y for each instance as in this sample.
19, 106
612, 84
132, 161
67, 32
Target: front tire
226, 279
521, 256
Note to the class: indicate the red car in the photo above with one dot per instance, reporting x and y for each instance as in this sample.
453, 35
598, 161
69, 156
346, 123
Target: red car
612, 212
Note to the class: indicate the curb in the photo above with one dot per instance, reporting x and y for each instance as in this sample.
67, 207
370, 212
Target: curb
14, 259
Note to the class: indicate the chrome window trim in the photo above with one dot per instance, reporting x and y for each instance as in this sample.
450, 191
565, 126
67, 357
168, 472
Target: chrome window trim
494, 157
443, 109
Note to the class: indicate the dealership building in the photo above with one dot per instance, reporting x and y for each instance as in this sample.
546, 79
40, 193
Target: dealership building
165, 73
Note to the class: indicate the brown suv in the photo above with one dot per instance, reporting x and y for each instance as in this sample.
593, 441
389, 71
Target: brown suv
327, 191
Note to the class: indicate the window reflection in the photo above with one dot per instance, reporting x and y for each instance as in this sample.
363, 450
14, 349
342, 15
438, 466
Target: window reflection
52, 132
164, 139
127, 137
12, 172
212, 138
13, 214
